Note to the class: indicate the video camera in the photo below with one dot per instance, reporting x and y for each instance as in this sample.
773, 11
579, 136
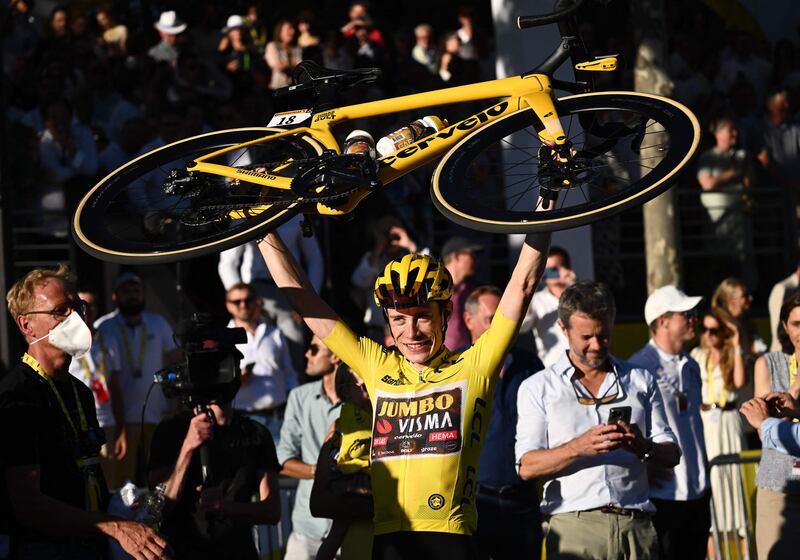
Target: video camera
209, 370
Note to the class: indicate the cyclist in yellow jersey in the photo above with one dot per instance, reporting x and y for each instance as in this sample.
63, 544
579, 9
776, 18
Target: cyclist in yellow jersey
431, 406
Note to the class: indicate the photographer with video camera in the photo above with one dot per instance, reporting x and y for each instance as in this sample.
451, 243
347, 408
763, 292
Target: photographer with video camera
212, 461
53, 495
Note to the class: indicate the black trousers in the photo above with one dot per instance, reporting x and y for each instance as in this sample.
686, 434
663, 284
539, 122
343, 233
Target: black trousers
682, 528
419, 545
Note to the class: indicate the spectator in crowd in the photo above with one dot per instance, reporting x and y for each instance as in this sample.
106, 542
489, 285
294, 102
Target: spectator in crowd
778, 495
473, 40
244, 264
391, 240
311, 409
282, 53
424, 52
99, 370
781, 437
342, 489
357, 14
210, 514
725, 176
267, 371
732, 300
308, 30
419, 383
542, 316
368, 53
68, 156
780, 292
778, 141
197, 81
596, 491
508, 517
169, 27
460, 257
255, 27
740, 59
238, 54
54, 496
681, 497
723, 373
114, 37
144, 344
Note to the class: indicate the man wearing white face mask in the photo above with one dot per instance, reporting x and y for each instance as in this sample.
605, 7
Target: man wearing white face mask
52, 492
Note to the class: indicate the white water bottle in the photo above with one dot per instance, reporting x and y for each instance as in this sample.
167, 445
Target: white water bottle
409, 134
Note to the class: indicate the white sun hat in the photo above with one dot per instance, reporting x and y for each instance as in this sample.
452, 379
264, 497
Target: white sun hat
170, 23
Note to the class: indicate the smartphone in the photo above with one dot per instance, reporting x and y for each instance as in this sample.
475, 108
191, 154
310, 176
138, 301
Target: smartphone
550, 273
619, 413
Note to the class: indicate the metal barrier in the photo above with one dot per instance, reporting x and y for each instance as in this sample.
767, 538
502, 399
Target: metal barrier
737, 472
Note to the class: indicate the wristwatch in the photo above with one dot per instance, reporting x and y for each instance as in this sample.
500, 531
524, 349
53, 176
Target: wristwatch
648, 452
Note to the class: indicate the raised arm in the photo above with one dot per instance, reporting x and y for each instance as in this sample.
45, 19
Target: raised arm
525, 277
294, 283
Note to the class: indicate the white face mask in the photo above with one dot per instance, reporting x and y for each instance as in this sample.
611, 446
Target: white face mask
71, 335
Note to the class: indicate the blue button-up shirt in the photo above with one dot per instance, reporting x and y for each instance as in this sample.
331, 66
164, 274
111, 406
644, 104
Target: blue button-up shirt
781, 435
308, 416
550, 415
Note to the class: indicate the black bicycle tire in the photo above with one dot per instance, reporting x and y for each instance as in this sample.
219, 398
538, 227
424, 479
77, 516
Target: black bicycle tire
87, 228
447, 181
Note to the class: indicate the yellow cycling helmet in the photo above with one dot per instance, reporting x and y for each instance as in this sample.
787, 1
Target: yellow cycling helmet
413, 280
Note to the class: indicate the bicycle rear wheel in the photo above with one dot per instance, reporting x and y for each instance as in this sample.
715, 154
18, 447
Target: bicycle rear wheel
129, 217
627, 148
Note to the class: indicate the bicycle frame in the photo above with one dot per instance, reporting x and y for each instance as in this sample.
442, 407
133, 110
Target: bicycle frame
527, 90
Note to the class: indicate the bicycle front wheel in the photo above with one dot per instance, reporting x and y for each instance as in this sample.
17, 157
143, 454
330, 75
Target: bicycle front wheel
626, 148
130, 217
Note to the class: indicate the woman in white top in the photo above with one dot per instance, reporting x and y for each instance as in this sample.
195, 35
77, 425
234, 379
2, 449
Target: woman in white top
723, 373
283, 54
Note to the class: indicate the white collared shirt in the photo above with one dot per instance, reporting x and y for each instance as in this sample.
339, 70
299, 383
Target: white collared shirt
549, 415
676, 381
273, 373
542, 320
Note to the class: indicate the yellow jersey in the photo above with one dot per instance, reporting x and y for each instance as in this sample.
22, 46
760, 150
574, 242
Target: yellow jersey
427, 427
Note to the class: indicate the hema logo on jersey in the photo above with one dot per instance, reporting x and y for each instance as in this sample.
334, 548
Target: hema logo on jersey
418, 424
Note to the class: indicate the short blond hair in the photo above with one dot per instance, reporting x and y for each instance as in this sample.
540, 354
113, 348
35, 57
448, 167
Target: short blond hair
20, 297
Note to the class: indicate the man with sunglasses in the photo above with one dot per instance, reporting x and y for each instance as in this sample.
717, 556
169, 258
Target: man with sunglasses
594, 464
52, 492
432, 406
681, 497
267, 370
310, 410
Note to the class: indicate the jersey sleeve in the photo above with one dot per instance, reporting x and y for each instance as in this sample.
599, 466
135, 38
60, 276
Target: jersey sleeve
363, 355
489, 351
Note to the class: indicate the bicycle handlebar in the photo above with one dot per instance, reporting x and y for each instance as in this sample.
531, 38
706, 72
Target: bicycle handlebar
524, 22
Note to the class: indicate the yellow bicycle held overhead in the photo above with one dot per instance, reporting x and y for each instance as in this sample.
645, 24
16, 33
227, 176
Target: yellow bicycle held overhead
586, 156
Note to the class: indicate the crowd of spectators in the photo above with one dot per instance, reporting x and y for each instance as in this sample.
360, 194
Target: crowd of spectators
89, 89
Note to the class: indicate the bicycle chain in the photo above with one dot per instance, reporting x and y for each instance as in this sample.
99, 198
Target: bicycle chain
227, 208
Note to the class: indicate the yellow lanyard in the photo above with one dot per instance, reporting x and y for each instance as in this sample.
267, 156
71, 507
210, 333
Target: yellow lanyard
135, 367
712, 388
792, 369
37, 367
93, 489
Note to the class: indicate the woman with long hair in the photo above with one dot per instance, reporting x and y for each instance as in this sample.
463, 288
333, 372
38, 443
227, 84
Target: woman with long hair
778, 497
282, 53
722, 369
733, 299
